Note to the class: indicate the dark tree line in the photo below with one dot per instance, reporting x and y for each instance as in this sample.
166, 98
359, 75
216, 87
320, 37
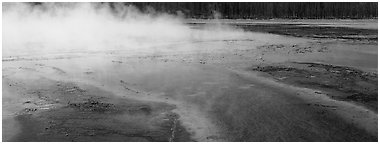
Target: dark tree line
261, 10
234, 10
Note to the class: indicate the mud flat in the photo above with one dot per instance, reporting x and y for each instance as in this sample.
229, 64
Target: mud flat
342, 83
61, 111
315, 31
263, 87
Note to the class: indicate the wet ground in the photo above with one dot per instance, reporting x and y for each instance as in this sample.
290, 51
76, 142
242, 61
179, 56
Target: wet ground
61, 111
315, 31
262, 87
344, 83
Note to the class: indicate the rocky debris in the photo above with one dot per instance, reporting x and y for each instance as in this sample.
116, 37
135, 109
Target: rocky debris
125, 85
303, 49
322, 105
318, 92
346, 73
28, 101
37, 58
9, 59
88, 72
341, 72
272, 47
30, 109
361, 97
175, 129
340, 82
93, 105
26, 111
295, 48
40, 65
94, 121
74, 89
28, 69
60, 111
273, 68
116, 61
323, 49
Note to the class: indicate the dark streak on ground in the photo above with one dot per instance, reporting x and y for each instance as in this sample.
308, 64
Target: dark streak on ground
341, 82
314, 31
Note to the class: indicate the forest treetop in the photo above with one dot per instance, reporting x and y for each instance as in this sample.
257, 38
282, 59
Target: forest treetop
262, 10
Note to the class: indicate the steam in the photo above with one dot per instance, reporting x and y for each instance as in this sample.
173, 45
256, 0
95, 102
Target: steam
67, 27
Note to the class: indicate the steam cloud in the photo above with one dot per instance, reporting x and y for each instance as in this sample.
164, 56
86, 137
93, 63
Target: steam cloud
63, 27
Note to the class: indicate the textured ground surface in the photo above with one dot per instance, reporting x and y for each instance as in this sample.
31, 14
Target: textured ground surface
264, 87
